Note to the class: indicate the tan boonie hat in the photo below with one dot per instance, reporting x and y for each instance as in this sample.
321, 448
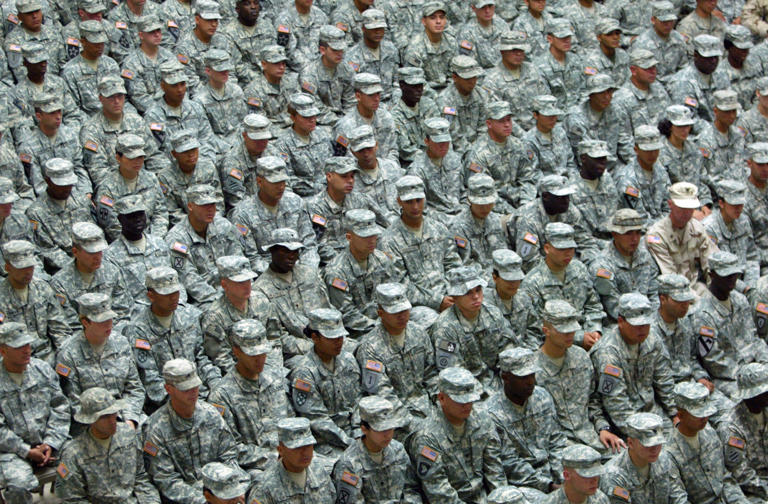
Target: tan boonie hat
89, 237
96, 307
181, 374
684, 195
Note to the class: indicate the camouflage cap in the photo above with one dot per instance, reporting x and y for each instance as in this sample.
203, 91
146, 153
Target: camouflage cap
91, 6
7, 192
218, 60
34, 52
149, 23
19, 253
561, 315
498, 110
96, 402
225, 481
93, 31
392, 297
340, 165
482, 3
753, 380
130, 145
181, 374
272, 169
599, 83
739, 35
664, 11
734, 192
508, 265
163, 279
172, 72
606, 25
303, 104
466, 67
207, 9
724, 263
47, 102
761, 86
642, 58
236, 268
648, 428
410, 187
636, 309
648, 138
15, 335
680, 115
294, 432
546, 105
481, 189
514, 39
707, 45
273, 54
374, 18
459, 384
463, 279
202, 194
431, 7
625, 220
184, 140
676, 286
593, 148
684, 195
556, 185
60, 171
256, 126
333, 37
367, 83
726, 99
379, 413
328, 322
361, 138
560, 235
507, 494
693, 397
250, 336
518, 361
559, 28
437, 129
361, 222
411, 75
758, 151
129, 204
25, 6
284, 237
582, 459
110, 85
96, 307
89, 237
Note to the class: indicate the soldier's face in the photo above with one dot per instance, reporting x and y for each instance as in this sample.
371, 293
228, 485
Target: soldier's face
690, 422
136, 3
560, 258
19, 276
553, 204
340, 183
518, 388
706, 6
545, 123
455, 412
87, 261
648, 157
5, 208
679, 216
536, 7
558, 339
50, 120
360, 245
271, 191
248, 11
645, 76
610, 40
254, 364
207, 26
394, 323
283, 258
239, 291
152, 38
485, 13
187, 160
327, 348
92, 50
501, 128
97, 333
374, 35
437, 149
413, 209
217, 77
723, 283
15, 358
368, 102
133, 224
163, 303
255, 146
730, 212
113, 105
761, 98
663, 28
332, 56
202, 213
303, 5
737, 56
32, 21
378, 439
644, 454
464, 86
36, 70
304, 125
507, 288
411, 93
758, 171
727, 117
678, 309
130, 168
602, 100
174, 93
627, 243
680, 132
633, 334
560, 44
471, 302
513, 57
435, 22
481, 211
593, 168
366, 157
296, 459
759, 402
581, 486
705, 64
183, 401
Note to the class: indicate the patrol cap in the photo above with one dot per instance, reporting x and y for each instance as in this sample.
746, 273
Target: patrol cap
89, 237
642, 58
514, 39
636, 309
207, 9
676, 286
663, 11
91, 6
459, 384
507, 494
724, 263
96, 402
684, 195
284, 237
93, 31
466, 67
327, 321
734, 192
172, 72
379, 413
648, 428
184, 140
361, 222
498, 110
680, 115
163, 279
761, 85
374, 18
130, 145
607, 25
437, 129
250, 336
726, 99
482, 3
236, 268
15, 335
294, 432
273, 54
739, 35
96, 307
361, 138
707, 45
60, 171
19, 253
625, 220
149, 23
34, 52
593, 148
303, 104
560, 235
340, 165
333, 37
181, 374
218, 60
272, 169
7, 193
559, 28
110, 85
367, 83
546, 105
411, 75
129, 204
753, 380
24, 6
463, 279
562, 315
693, 397
225, 481
256, 126
410, 187
47, 102
202, 194
758, 152
508, 265
583, 459
430, 8
647, 138
481, 189
519, 361
599, 83
392, 298
556, 185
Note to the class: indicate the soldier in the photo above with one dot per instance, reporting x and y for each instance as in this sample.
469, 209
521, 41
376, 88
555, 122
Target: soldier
678, 243
222, 483
642, 97
534, 21
756, 205
433, 47
702, 20
507, 274
481, 35
127, 19
457, 453
105, 461
14, 225
375, 54
12, 169
546, 143
347, 16
376, 176
562, 69
238, 174
410, 112
624, 265
296, 473
252, 398
755, 119
36, 424
302, 21
179, 17
247, 33
596, 194
183, 435
721, 142
86, 10
667, 44
742, 70
33, 29
608, 57
581, 475
193, 44
270, 90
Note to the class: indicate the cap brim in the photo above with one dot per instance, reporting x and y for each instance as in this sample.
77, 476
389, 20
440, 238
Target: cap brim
639, 320
308, 112
26, 339
339, 332
562, 34
600, 89
567, 327
298, 443
209, 15
367, 232
526, 370
464, 287
649, 146
655, 440
97, 39
682, 296
206, 201
727, 108
598, 153
687, 203
750, 392
243, 276
706, 410
276, 178
94, 246
565, 191
563, 244
413, 81
683, 122
222, 67
94, 8
113, 91
233, 490
440, 138
187, 146
36, 59
64, 181
260, 135
744, 45
590, 472
732, 270
175, 79
253, 350
134, 153
483, 200
190, 383
666, 17
465, 398
511, 276
760, 158
412, 195
164, 291
364, 145
116, 407
338, 46
375, 24
23, 263
512, 47
709, 54
624, 229
391, 423
51, 108
288, 245
397, 307
373, 89
151, 28
130, 210
470, 74
552, 111
102, 317
742, 200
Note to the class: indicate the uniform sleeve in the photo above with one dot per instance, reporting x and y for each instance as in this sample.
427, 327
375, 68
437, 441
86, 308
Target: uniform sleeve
340, 297
70, 484
57, 427
663, 380
168, 481
611, 388
143, 489
431, 473
308, 402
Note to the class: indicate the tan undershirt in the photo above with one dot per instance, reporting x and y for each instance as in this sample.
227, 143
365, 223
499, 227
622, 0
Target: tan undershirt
164, 321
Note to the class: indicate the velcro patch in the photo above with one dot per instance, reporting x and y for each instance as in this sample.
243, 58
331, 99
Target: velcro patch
449, 110
691, 101
339, 284
319, 219
622, 493
63, 370
182, 59
15, 47
283, 29
128, 74
348, 477
25, 158
466, 44
705, 152
429, 453
107, 201
736, 442
62, 470
308, 87
221, 409
120, 25
654, 239
632, 191
762, 308
342, 140
612, 370
302, 385
180, 247
604, 273
234, 172
460, 242
73, 41
342, 26
374, 365
13, 18
243, 229
530, 238
475, 167
254, 102
172, 24
707, 331
143, 344
151, 448
354, 66
156, 126
590, 70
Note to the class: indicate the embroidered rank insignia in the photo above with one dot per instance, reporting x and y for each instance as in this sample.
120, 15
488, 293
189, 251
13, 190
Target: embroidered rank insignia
707, 331
62, 298
531, 238
143, 344
348, 477
150, 448
62, 470
374, 365
34, 224
284, 156
319, 220
339, 284
128, 74
590, 70
73, 41
91, 145
107, 201
691, 101
612, 370
163, 187
460, 242
120, 25
302, 385
654, 239
234, 172
632, 191
180, 247
604, 273
622, 493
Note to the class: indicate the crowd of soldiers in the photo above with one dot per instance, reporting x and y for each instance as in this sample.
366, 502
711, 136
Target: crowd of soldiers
413, 252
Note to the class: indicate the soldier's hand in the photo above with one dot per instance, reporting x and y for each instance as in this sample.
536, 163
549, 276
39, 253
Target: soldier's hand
612, 441
708, 384
446, 303
131, 424
36, 455
47, 452
590, 338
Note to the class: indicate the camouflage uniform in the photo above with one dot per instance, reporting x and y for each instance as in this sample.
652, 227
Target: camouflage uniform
133, 260
689, 86
686, 165
754, 124
333, 89
535, 29
409, 122
583, 20
443, 177
127, 25
225, 108
484, 43
597, 204
142, 77
48, 36
633, 16
379, 184
174, 184
435, 61
670, 53
552, 153
12, 169
642, 107
476, 239
245, 45
305, 33
617, 66
263, 97
83, 79
565, 80
385, 65
508, 265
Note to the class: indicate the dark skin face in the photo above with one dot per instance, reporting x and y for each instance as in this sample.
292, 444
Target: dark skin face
411, 93
58, 192
133, 225
737, 56
283, 259
248, 12
721, 286
592, 168
36, 71
174, 93
705, 65
518, 388
327, 348
554, 205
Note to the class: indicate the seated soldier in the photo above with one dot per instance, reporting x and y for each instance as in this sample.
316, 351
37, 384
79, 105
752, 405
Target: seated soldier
595, 195
222, 483
581, 475
507, 275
